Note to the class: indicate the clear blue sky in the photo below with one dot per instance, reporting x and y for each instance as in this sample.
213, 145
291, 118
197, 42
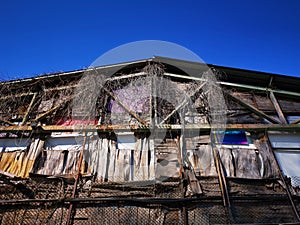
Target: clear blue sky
49, 36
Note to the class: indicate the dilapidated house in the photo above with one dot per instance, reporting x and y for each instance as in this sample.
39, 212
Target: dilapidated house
154, 141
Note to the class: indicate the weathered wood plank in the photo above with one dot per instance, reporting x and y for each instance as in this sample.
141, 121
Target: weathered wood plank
110, 128
278, 108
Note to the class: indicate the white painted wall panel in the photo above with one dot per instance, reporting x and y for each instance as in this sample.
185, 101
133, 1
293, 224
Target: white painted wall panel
285, 139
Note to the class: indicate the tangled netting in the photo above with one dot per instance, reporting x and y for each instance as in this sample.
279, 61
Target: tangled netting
25, 102
147, 97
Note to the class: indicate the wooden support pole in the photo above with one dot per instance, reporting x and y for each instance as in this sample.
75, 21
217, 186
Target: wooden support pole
133, 114
277, 108
151, 102
286, 187
218, 167
181, 175
28, 109
108, 128
252, 108
222, 183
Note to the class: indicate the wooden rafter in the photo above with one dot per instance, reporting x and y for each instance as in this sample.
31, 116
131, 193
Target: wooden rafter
277, 108
119, 102
296, 121
252, 108
236, 85
181, 105
28, 109
52, 110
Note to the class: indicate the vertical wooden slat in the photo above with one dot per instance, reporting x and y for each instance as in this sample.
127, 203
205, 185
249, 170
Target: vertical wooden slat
111, 161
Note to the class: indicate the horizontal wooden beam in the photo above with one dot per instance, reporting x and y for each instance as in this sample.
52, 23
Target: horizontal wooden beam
163, 128
237, 85
60, 88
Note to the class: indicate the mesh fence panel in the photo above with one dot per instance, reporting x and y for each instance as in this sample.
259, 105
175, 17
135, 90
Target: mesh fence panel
296, 181
144, 211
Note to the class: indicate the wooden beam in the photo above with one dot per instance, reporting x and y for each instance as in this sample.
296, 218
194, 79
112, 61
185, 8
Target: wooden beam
51, 110
133, 114
77, 175
277, 108
244, 86
222, 182
182, 104
17, 95
127, 76
252, 108
28, 109
163, 128
8, 122
295, 121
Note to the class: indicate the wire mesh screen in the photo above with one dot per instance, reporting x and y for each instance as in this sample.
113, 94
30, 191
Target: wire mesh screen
146, 211
295, 180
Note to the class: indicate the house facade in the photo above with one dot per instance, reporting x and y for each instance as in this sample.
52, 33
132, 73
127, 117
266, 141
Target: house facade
154, 141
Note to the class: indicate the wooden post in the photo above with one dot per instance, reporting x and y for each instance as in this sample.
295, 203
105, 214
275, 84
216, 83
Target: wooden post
150, 101
70, 213
28, 109
223, 185
181, 175
277, 108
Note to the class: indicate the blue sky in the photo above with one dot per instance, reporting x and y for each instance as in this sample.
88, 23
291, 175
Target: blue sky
49, 36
